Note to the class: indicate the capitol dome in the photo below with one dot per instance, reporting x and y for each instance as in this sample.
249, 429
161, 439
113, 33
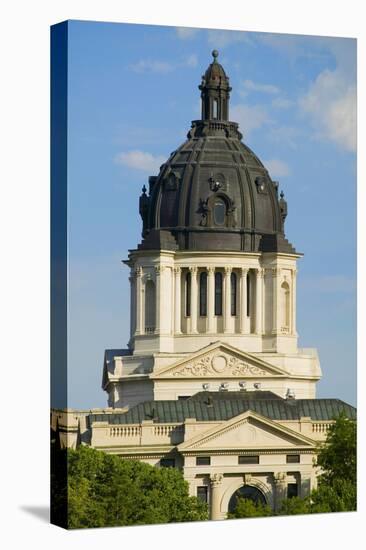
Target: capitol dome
213, 192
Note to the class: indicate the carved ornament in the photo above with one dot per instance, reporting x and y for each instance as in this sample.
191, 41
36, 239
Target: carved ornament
211, 365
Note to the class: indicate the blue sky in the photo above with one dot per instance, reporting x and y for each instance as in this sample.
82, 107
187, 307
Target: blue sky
132, 95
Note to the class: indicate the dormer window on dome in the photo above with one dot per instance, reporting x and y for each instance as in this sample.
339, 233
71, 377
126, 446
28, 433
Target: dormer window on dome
219, 212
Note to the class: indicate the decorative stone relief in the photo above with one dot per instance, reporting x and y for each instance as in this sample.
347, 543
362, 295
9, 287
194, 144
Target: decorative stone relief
217, 182
261, 183
171, 182
247, 478
211, 365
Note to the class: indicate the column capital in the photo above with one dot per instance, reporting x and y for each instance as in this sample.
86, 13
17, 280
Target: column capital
228, 269
159, 269
279, 477
276, 271
210, 270
294, 271
193, 269
244, 271
177, 270
216, 479
138, 271
260, 272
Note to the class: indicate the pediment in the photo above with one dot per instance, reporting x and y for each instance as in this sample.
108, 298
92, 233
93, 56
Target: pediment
247, 431
220, 360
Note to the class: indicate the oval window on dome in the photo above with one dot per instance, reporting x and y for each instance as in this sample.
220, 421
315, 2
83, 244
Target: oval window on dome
219, 212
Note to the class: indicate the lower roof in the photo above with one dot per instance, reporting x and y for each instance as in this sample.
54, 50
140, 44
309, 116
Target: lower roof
220, 406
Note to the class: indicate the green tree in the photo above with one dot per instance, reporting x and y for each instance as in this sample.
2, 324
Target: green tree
106, 490
247, 508
337, 489
295, 505
338, 456
338, 496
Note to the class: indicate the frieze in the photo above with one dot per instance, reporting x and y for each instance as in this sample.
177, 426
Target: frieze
212, 365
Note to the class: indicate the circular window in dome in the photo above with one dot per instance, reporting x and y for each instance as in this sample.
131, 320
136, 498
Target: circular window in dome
219, 212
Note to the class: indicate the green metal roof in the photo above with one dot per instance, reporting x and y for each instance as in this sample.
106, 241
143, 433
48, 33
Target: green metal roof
218, 406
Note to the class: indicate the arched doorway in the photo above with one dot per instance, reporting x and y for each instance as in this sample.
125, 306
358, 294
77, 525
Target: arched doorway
249, 492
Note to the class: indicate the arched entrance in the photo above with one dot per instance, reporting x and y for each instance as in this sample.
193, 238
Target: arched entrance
249, 492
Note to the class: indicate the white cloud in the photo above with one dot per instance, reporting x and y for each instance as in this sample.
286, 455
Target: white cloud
162, 67
286, 136
186, 32
277, 168
282, 103
220, 39
331, 104
151, 66
264, 88
249, 117
140, 160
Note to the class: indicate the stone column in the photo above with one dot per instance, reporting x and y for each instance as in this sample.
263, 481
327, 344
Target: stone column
293, 302
259, 300
215, 483
132, 280
177, 300
243, 302
227, 301
158, 270
305, 487
275, 297
279, 480
139, 302
194, 292
211, 299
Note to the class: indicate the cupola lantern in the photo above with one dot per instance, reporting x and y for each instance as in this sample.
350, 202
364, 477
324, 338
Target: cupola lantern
215, 91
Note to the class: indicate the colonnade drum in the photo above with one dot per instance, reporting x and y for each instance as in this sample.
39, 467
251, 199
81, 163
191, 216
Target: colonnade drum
197, 298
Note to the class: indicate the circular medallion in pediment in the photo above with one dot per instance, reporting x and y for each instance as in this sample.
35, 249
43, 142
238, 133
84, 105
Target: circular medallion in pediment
219, 363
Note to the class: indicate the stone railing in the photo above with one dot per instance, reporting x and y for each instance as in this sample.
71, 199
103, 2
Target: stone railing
166, 430
125, 431
146, 433
320, 427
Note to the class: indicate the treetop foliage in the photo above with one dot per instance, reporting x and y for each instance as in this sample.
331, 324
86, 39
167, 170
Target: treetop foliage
105, 490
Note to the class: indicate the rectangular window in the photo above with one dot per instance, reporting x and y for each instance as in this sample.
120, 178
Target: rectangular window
167, 463
248, 295
188, 295
218, 293
203, 294
291, 490
293, 459
203, 461
249, 459
202, 493
233, 293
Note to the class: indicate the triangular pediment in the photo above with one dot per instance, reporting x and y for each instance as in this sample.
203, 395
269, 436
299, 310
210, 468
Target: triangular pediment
247, 431
220, 360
